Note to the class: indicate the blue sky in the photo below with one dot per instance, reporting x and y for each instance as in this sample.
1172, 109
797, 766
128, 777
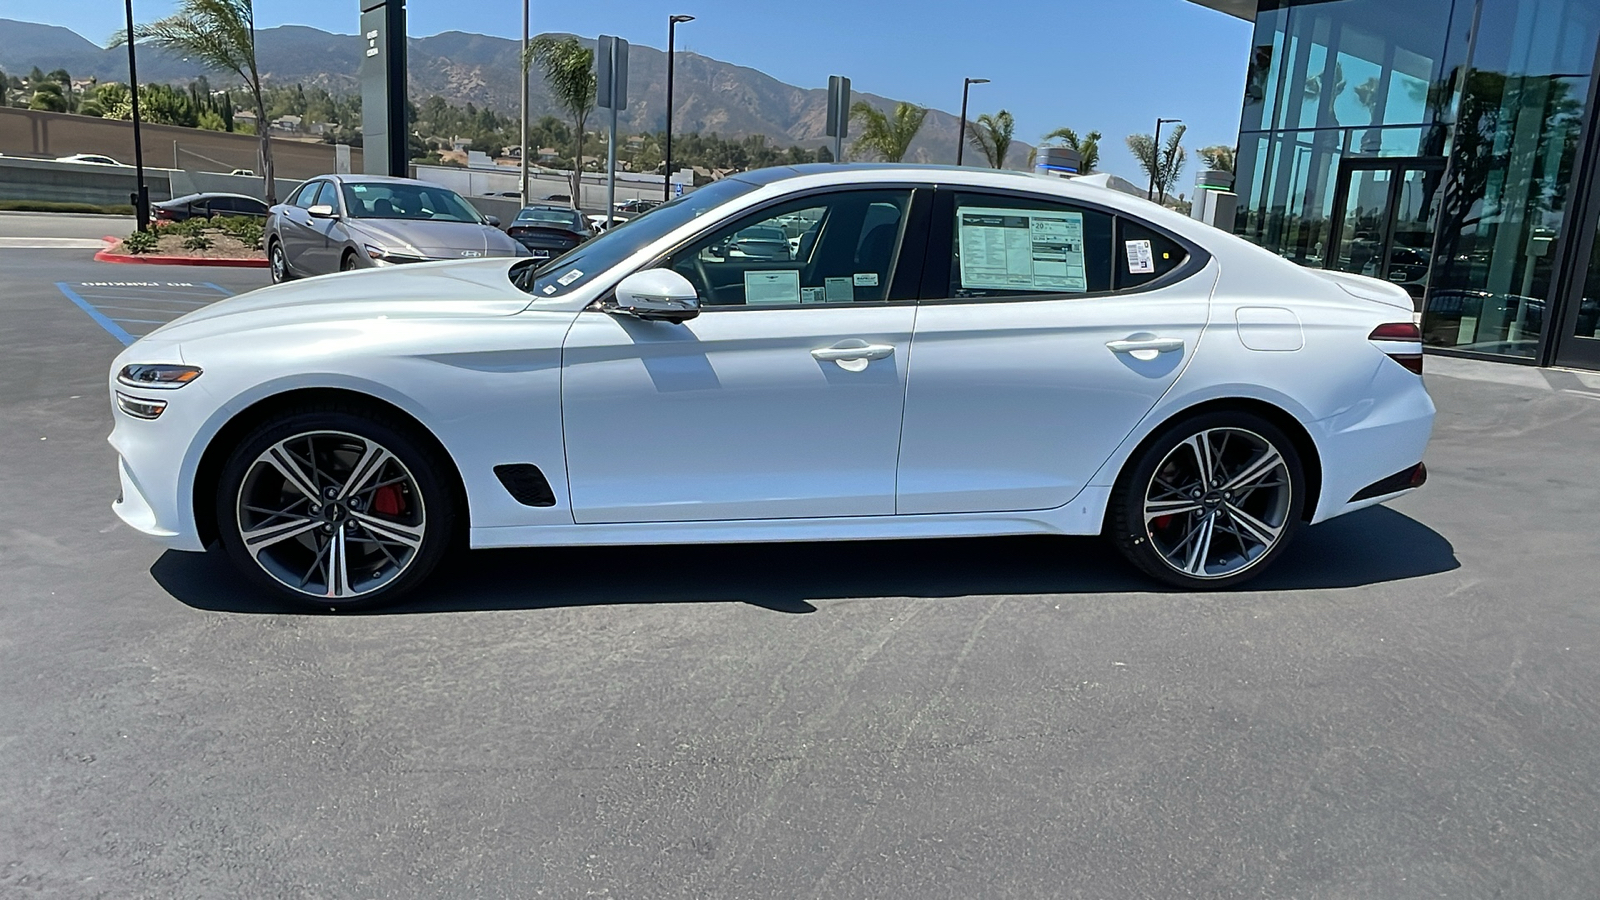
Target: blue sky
1111, 65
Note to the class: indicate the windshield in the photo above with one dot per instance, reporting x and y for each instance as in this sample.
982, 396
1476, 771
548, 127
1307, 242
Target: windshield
401, 200
576, 267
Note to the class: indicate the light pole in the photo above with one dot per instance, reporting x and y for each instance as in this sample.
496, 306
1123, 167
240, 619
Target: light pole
666, 170
961, 136
524, 62
1155, 157
141, 197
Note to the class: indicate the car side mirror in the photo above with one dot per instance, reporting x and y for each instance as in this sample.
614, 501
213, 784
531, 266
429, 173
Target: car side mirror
320, 211
657, 295
494, 221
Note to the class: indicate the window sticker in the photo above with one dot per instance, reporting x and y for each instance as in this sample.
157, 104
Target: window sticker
772, 288
570, 277
813, 295
838, 290
1141, 261
866, 279
1021, 250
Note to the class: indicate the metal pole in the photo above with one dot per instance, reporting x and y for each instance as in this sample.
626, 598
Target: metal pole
961, 134
524, 63
666, 170
141, 199
611, 157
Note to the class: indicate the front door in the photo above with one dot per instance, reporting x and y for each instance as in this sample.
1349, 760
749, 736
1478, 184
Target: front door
781, 400
1579, 343
1049, 331
1384, 214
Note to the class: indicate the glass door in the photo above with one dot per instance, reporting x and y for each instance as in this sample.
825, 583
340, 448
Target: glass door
1580, 333
1384, 214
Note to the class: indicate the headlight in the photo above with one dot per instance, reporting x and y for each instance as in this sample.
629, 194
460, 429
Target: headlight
390, 256
161, 377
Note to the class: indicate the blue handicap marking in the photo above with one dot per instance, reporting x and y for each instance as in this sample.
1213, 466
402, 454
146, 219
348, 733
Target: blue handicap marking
128, 310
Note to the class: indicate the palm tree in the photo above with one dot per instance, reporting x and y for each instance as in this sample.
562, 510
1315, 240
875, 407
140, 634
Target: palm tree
221, 35
1164, 166
568, 69
887, 136
1219, 157
1088, 147
992, 136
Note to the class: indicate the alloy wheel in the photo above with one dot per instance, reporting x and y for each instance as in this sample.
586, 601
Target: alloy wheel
1218, 503
280, 266
330, 515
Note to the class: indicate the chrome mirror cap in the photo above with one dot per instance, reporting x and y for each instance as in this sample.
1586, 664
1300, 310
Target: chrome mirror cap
660, 295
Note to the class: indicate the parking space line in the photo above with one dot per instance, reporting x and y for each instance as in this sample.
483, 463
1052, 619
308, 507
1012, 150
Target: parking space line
136, 309
100, 318
152, 299
218, 288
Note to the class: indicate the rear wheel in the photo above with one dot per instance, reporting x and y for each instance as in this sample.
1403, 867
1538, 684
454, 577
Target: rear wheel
1211, 502
335, 507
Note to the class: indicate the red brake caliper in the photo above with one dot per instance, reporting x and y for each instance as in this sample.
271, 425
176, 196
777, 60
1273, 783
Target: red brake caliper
388, 500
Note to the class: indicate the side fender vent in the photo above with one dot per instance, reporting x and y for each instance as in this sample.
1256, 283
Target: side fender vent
526, 483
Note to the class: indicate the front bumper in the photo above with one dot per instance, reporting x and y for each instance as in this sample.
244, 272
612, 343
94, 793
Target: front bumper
155, 467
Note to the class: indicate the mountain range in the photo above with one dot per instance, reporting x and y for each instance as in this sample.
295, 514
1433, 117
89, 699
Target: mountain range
709, 95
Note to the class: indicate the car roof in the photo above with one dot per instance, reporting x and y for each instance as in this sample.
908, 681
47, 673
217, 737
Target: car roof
214, 194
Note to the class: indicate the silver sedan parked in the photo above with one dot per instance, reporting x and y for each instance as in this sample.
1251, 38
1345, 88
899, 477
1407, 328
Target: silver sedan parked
336, 223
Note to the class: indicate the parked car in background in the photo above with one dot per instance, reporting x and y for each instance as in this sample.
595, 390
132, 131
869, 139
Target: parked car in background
761, 242
548, 230
635, 206
97, 159
556, 198
336, 223
242, 172
600, 222
206, 206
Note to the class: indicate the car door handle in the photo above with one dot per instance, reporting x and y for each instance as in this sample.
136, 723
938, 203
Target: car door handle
865, 351
1145, 348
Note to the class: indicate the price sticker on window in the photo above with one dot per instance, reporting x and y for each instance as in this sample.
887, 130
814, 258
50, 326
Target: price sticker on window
1141, 260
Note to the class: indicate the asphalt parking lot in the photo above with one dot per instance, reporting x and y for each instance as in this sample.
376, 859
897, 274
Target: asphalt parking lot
1408, 705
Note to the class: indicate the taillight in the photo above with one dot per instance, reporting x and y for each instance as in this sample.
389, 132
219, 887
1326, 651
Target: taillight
1401, 342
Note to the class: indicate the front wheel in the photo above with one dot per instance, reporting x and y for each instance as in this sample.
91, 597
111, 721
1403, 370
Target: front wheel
335, 507
278, 263
1211, 502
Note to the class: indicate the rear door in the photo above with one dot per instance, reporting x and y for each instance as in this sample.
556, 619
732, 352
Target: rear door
1046, 333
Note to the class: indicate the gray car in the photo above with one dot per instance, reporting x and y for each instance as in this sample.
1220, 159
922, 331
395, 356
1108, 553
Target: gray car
336, 223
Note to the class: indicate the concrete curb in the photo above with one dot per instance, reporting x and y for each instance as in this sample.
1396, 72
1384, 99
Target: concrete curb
106, 256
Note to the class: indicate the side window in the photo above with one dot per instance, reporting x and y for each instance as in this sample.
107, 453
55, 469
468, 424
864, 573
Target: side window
1144, 254
1015, 247
306, 197
834, 248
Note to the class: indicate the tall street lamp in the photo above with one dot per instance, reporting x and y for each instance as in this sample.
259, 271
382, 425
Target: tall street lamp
666, 172
1155, 157
961, 136
141, 197
524, 62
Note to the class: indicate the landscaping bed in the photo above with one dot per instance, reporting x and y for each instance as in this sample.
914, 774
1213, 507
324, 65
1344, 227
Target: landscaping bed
233, 240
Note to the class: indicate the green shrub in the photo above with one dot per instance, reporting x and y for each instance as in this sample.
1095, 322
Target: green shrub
197, 241
140, 242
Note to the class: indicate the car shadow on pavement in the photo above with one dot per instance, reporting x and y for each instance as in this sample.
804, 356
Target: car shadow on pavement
1368, 547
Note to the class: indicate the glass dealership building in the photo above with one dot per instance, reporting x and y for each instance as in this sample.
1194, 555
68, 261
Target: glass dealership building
1449, 146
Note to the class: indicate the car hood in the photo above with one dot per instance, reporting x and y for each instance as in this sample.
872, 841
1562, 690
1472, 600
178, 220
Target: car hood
436, 240
421, 290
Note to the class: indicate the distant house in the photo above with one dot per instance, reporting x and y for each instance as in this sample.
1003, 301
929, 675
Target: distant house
245, 116
460, 143
286, 123
548, 154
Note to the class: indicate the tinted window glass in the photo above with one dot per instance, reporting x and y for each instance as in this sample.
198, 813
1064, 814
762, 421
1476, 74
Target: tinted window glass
1015, 247
834, 248
306, 197
1144, 254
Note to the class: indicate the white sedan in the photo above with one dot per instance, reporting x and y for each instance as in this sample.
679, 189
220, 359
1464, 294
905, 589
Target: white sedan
948, 352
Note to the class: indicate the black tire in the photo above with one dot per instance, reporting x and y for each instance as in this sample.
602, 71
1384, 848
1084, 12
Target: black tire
1167, 530
347, 263
387, 544
278, 263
